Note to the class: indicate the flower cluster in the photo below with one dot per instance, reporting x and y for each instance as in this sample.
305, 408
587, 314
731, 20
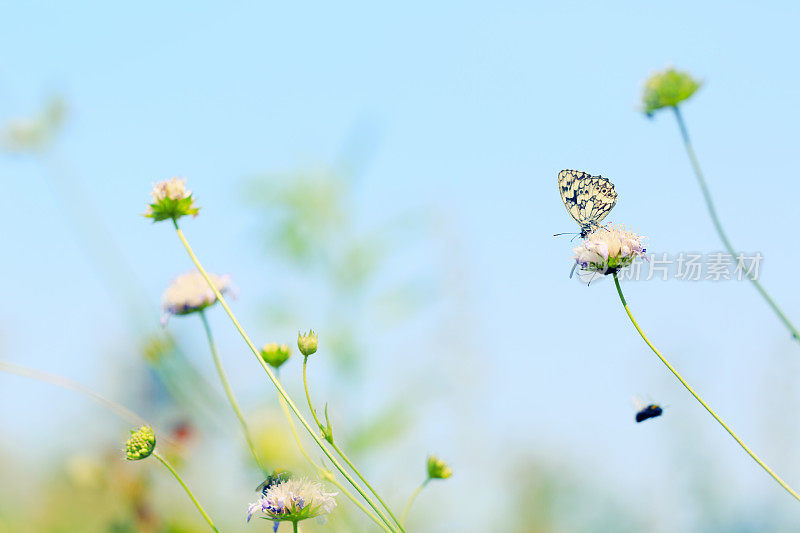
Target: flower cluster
609, 249
141, 444
438, 469
293, 500
275, 354
189, 293
171, 199
667, 88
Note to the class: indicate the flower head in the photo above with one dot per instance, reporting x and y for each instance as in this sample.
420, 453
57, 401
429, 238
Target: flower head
293, 500
667, 88
141, 444
438, 469
275, 354
307, 343
171, 199
608, 249
189, 293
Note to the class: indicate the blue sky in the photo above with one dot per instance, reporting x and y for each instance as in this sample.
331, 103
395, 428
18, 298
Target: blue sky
472, 110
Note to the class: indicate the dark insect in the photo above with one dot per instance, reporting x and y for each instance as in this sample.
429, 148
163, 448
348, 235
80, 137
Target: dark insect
277, 476
649, 411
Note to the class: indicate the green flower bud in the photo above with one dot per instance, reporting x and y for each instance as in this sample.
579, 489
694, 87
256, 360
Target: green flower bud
171, 200
667, 88
141, 444
307, 343
275, 354
438, 469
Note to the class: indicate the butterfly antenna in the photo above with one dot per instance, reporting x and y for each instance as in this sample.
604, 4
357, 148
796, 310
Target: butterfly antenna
565, 233
571, 272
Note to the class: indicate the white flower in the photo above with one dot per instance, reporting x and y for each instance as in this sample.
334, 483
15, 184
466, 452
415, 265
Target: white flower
293, 500
189, 293
173, 189
608, 249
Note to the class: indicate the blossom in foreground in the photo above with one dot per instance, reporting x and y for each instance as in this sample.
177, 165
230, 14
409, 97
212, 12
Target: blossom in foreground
438, 469
667, 88
609, 249
293, 500
171, 199
189, 293
141, 444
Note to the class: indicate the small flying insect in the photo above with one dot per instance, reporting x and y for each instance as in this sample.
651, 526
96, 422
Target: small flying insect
646, 410
277, 476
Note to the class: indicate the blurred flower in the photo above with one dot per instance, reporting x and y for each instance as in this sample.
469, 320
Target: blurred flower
275, 354
438, 469
307, 343
141, 444
292, 501
608, 249
37, 133
171, 199
667, 88
189, 293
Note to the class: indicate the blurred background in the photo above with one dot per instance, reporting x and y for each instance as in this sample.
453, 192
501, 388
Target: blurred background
387, 176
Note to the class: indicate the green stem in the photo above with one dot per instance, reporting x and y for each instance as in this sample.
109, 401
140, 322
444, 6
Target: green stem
718, 225
196, 503
308, 396
272, 377
223, 377
698, 398
412, 498
320, 469
294, 527
353, 467
342, 454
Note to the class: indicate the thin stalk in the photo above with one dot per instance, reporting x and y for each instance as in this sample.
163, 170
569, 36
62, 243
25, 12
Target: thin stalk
223, 377
320, 469
712, 211
178, 477
343, 455
66, 383
698, 398
412, 498
294, 527
272, 377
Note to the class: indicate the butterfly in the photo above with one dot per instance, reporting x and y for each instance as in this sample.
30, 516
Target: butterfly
588, 198
645, 410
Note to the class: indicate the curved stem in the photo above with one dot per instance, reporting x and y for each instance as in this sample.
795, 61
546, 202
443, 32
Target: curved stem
342, 454
718, 225
223, 377
196, 503
412, 498
332, 479
698, 398
66, 383
308, 396
272, 377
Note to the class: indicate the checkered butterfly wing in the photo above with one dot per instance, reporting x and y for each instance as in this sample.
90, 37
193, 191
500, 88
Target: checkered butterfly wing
588, 198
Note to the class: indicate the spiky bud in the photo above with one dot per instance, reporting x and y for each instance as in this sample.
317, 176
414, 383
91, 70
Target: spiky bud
307, 343
171, 200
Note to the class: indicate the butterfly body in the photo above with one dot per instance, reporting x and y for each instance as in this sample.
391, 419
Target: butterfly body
588, 199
